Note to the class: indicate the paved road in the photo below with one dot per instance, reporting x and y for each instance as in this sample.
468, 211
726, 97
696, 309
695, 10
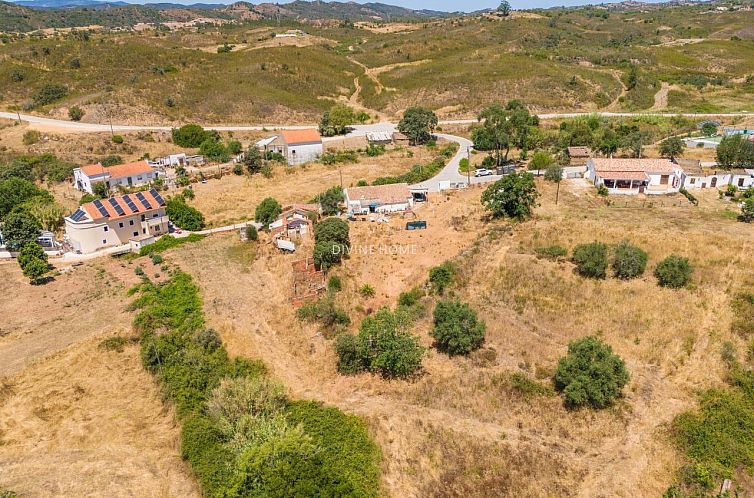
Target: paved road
361, 129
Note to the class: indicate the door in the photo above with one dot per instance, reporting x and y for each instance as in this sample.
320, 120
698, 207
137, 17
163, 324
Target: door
713, 183
664, 179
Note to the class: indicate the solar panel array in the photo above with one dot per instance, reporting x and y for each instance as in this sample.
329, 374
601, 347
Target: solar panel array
98, 204
131, 204
116, 206
157, 197
77, 215
143, 200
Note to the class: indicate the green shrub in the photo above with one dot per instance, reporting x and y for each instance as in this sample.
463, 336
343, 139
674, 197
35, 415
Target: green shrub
202, 446
383, 345
330, 200
554, 252
156, 259
118, 139
332, 229
693, 200
251, 233
325, 311
456, 328
328, 253
628, 261
184, 216
591, 259
116, 343
590, 374
513, 196
31, 137
717, 437
75, 113
410, 298
345, 447
33, 262
139, 271
440, 277
48, 94
673, 272
267, 211
602, 191
366, 290
334, 284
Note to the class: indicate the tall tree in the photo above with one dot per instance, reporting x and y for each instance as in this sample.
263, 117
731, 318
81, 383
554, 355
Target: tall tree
504, 8
514, 196
672, 147
497, 130
33, 261
418, 124
20, 228
252, 160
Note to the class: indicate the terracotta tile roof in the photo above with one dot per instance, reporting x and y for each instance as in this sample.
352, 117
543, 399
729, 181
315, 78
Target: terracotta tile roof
117, 171
394, 192
579, 152
309, 135
643, 165
302, 207
94, 213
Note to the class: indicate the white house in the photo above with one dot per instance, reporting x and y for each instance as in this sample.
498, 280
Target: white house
635, 176
128, 175
117, 221
697, 177
296, 146
390, 198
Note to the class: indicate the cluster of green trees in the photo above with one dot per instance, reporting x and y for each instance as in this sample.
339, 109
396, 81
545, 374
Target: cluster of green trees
629, 261
208, 142
735, 151
418, 124
182, 215
40, 168
338, 118
503, 128
331, 242
240, 432
513, 196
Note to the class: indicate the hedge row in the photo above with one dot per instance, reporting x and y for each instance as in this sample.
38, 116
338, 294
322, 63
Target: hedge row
318, 452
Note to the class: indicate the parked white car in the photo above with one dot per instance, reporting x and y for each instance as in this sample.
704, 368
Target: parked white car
483, 172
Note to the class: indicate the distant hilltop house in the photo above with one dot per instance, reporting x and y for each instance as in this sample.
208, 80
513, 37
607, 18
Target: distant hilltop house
579, 155
697, 177
635, 176
390, 198
127, 219
128, 175
296, 146
291, 33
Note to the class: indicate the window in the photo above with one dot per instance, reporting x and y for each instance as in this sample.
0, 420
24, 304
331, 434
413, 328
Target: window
131, 222
120, 224
157, 228
143, 230
143, 217
104, 241
106, 228
692, 181
155, 215
138, 178
740, 182
136, 234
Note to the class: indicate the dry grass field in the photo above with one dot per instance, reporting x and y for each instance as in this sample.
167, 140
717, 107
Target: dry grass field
77, 419
461, 429
233, 198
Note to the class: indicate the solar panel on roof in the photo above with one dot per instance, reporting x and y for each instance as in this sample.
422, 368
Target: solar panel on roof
98, 204
116, 206
77, 215
143, 200
157, 197
130, 203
